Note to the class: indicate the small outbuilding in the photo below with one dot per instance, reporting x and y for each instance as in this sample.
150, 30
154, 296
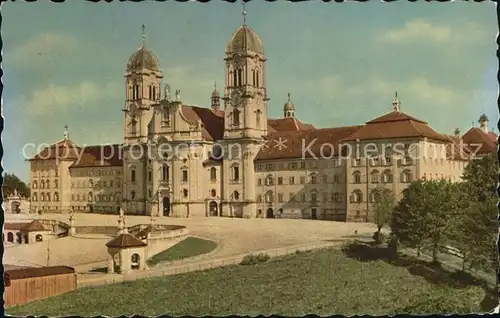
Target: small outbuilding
127, 253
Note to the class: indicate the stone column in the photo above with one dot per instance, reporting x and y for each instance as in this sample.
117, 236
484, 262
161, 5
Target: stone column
111, 265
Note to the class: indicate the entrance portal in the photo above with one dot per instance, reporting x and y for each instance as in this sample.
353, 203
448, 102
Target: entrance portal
314, 216
166, 206
270, 213
212, 207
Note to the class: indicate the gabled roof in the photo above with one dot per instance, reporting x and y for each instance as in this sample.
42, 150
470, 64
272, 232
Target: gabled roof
125, 240
295, 144
289, 124
63, 150
476, 137
395, 125
100, 156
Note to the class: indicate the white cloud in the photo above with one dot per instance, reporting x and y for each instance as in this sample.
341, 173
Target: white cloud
423, 31
42, 45
56, 98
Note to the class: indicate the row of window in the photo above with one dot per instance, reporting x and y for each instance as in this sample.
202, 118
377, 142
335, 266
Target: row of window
97, 173
46, 173
135, 92
44, 184
237, 78
386, 177
98, 184
269, 197
378, 161
357, 196
90, 197
314, 179
45, 196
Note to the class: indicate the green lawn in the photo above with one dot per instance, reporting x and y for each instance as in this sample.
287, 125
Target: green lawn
189, 247
323, 282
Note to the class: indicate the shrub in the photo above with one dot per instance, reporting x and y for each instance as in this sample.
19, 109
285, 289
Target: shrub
252, 259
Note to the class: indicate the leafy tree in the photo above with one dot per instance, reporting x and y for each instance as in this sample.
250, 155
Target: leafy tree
475, 230
11, 182
383, 206
423, 215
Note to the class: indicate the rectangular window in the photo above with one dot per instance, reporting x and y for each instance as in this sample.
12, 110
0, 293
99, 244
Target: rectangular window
150, 175
269, 167
292, 180
280, 197
184, 175
302, 165
302, 180
236, 171
132, 175
280, 180
259, 182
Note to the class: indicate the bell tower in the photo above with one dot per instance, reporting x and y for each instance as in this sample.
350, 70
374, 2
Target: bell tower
142, 89
245, 94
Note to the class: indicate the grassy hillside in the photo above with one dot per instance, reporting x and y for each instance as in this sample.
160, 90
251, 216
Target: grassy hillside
323, 282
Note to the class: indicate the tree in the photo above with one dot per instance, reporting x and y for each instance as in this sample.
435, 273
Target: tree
475, 230
11, 182
383, 206
423, 215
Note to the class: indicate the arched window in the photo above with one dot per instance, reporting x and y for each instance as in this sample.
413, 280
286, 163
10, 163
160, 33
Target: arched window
185, 193
234, 76
213, 193
373, 196
39, 238
56, 196
356, 176
240, 77
236, 117
356, 196
35, 185
91, 183
406, 176
166, 115
269, 180
314, 196
314, 179
236, 195
118, 197
259, 198
387, 176
132, 175
132, 195
236, 172
375, 176
133, 126
10, 237
213, 174
257, 76
154, 92
165, 172
130, 92
135, 261
34, 197
90, 197
269, 196
42, 196
150, 92
42, 184
56, 184
48, 197
47, 183
254, 82
258, 114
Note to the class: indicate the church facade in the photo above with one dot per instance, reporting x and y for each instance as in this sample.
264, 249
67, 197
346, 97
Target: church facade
232, 160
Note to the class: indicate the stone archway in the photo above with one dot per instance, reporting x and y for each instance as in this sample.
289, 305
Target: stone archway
213, 208
270, 213
166, 206
10, 237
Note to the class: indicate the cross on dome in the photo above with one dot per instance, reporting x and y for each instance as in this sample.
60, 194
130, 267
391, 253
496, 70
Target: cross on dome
396, 103
244, 13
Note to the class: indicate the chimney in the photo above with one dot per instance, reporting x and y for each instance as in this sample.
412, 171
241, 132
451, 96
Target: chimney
457, 132
483, 123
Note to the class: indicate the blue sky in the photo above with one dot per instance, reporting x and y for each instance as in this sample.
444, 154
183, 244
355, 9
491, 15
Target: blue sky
341, 62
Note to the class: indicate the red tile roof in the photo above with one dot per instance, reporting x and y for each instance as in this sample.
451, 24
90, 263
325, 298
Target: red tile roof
294, 144
457, 149
125, 240
38, 272
289, 124
62, 150
100, 156
475, 137
395, 125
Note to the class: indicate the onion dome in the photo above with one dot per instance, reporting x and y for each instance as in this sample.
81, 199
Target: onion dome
245, 39
143, 58
483, 118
